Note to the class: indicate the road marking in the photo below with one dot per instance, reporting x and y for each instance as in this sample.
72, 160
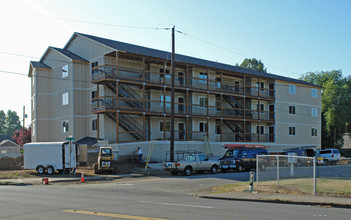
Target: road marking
174, 204
125, 184
112, 215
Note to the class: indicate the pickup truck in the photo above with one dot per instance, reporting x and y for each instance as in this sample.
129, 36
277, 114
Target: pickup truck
188, 161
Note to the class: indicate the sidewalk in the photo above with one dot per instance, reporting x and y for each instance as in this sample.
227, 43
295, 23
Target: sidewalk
282, 199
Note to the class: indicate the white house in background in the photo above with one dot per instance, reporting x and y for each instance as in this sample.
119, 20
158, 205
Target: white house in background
9, 149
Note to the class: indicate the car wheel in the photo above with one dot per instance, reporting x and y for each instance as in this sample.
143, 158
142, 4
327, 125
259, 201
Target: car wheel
214, 169
40, 169
174, 173
187, 171
239, 168
50, 170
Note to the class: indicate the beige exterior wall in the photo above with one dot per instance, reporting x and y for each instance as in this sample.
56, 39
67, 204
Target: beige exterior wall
302, 120
48, 113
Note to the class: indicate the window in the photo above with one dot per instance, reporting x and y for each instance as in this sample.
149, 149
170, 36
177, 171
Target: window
262, 86
292, 89
93, 65
65, 126
94, 125
314, 93
260, 129
93, 95
65, 71
203, 76
203, 127
168, 100
314, 112
203, 101
314, 132
166, 74
162, 126
292, 109
218, 129
292, 131
65, 98
260, 108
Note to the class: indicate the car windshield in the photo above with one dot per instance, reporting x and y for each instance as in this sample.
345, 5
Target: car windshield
236, 153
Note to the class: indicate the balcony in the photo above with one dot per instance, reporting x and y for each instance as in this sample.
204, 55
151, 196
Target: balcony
109, 72
107, 103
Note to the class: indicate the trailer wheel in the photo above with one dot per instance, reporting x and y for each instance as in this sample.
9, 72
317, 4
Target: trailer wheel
40, 169
50, 170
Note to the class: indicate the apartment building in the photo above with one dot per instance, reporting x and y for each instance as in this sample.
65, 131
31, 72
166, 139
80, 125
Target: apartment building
121, 92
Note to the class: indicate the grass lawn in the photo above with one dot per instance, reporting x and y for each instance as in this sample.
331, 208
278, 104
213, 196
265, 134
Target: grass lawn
327, 187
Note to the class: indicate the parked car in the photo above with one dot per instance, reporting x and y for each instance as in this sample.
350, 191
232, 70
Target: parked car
242, 157
306, 151
188, 161
328, 156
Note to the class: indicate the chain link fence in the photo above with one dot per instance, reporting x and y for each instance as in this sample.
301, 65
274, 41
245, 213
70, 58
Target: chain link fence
304, 174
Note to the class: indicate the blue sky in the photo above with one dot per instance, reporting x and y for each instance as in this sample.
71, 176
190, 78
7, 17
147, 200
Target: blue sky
290, 37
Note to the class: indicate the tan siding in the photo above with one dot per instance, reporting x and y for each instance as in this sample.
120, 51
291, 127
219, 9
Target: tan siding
88, 49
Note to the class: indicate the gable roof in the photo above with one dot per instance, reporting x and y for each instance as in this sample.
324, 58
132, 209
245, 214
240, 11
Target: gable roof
6, 137
69, 54
36, 64
140, 50
90, 141
8, 143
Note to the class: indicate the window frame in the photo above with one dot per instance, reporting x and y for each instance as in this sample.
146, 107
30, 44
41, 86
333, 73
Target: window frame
314, 112
292, 89
292, 109
314, 132
92, 125
168, 126
65, 71
314, 93
204, 126
203, 105
292, 131
65, 126
65, 98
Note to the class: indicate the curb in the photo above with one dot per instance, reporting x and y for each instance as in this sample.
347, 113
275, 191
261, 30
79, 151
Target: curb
38, 181
278, 201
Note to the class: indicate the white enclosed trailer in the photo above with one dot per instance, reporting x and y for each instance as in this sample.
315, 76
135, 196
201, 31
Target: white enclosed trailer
50, 156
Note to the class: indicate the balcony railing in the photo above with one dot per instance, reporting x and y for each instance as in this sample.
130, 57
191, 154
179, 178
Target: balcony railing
110, 72
131, 104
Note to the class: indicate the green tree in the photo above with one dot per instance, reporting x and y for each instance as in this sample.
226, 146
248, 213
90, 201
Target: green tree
336, 106
253, 64
2, 122
12, 122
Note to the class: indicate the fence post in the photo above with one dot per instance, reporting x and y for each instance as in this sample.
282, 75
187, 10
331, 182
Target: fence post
256, 170
314, 176
277, 170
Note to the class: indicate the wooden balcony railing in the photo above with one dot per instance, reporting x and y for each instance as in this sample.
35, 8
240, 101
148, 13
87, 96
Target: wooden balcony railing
153, 106
110, 72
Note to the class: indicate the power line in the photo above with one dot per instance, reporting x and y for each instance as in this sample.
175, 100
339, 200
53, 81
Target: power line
93, 23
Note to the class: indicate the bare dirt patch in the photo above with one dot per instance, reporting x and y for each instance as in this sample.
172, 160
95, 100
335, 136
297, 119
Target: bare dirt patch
10, 163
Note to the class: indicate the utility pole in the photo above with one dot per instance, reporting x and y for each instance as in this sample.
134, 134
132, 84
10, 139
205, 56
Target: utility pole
24, 118
172, 99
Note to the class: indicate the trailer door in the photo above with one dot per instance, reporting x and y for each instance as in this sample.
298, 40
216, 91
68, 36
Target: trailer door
70, 155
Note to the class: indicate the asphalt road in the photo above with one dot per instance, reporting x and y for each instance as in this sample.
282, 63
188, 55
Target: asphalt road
151, 198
